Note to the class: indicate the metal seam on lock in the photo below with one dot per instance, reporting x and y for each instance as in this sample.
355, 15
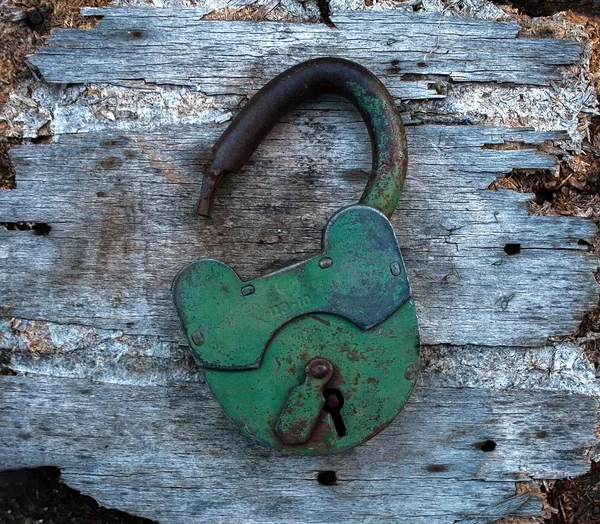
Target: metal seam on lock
251, 317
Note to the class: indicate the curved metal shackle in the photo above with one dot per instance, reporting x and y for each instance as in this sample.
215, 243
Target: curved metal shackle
314, 77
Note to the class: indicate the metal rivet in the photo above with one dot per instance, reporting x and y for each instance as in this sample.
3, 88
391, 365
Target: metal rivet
248, 290
325, 262
395, 268
197, 338
319, 370
411, 372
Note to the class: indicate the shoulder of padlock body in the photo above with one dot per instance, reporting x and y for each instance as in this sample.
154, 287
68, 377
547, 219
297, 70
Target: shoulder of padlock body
359, 275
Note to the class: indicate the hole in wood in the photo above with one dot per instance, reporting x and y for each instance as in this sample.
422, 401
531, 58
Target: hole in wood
327, 478
544, 194
38, 228
334, 402
436, 468
512, 249
486, 445
41, 229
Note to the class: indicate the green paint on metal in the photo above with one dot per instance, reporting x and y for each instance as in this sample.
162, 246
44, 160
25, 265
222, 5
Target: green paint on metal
369, 371
235, 327
390, 164
354, 311
322, 355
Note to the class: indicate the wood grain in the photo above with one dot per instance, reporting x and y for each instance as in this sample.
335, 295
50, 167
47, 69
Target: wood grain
130, 421
131, 447
175, 46
121, 212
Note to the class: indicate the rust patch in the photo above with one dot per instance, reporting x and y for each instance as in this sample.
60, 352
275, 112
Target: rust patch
111, 162
321, 320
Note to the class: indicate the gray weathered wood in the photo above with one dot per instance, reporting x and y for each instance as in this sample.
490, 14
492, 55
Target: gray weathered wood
63, 350
47, 348
170, 453
175, 46
120, 208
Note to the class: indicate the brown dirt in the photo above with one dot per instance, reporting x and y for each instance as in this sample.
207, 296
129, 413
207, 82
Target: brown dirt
577, 501
33, 23
550, 7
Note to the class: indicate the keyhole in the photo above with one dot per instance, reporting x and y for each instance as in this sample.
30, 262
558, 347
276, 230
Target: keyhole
334, 402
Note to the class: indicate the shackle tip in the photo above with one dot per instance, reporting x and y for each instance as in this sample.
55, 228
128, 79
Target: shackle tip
211, 180
203, 207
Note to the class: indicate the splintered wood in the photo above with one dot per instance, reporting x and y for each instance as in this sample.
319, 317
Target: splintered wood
105, 388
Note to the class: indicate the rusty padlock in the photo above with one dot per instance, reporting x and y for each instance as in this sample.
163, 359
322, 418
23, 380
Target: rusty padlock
321, 355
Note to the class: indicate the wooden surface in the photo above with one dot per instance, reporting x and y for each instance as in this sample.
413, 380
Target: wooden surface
108, 393
393, 44
170, 453
123, 226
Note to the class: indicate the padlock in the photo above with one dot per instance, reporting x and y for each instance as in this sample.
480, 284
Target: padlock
319, 356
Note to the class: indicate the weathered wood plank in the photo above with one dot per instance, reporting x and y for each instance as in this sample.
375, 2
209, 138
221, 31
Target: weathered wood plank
120, 208
154, 46
131, 446
59, 350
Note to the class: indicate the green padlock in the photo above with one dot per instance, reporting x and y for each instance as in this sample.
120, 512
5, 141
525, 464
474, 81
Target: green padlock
320, 356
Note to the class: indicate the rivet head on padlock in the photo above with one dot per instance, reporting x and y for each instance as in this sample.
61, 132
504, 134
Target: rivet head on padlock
197, 338
319, 356
319, 368
325, 263
411, 372
248, 290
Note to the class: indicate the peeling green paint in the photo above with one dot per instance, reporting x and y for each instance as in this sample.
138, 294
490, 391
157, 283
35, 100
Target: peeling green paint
391, 161
356, 313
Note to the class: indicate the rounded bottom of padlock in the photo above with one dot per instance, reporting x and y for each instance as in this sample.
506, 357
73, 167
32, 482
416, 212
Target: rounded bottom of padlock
374, 372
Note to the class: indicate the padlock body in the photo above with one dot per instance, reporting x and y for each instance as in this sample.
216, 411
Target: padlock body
374, 371
350, 306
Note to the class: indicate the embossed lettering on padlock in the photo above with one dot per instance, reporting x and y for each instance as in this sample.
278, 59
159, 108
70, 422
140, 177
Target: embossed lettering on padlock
319, 356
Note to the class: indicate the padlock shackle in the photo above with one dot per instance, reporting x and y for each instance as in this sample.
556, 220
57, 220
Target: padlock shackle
314, 77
